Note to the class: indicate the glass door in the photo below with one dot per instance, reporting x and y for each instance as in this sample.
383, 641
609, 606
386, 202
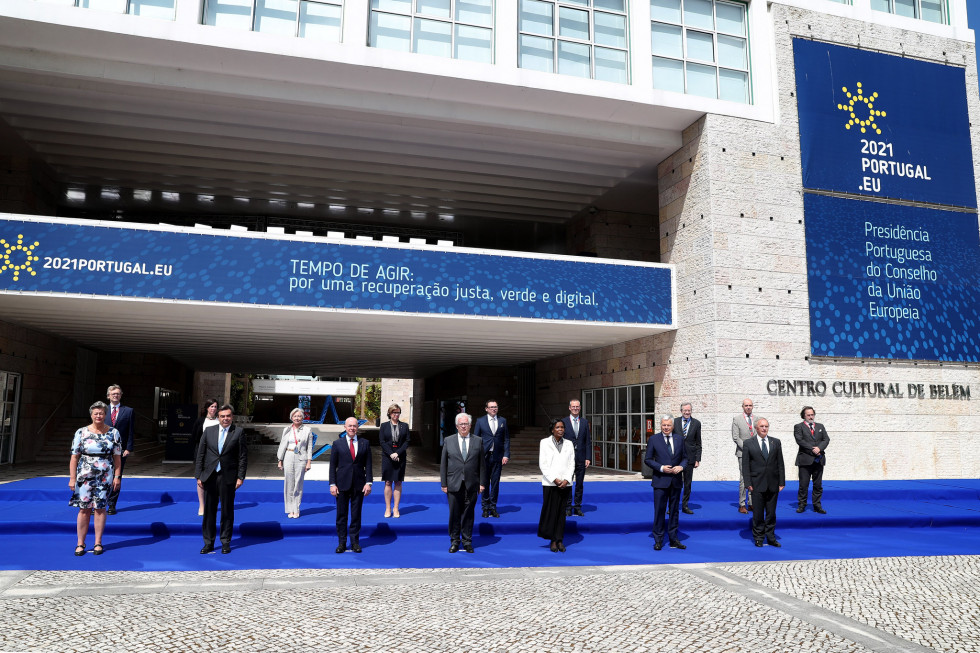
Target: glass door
9, 400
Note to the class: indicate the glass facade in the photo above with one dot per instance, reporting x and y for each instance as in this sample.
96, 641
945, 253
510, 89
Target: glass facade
304, 18
931, 10
160, 9
9, 396
583, 38
622, 419
700, 47
460, 29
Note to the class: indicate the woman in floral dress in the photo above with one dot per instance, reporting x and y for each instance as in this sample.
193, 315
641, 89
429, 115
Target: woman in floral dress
95, 453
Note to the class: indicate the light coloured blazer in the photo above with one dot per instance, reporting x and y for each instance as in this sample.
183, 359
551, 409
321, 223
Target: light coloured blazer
556, 464
305, 447
740, 432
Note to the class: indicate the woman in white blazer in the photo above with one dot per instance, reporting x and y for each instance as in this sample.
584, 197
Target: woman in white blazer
556, 459
295, 459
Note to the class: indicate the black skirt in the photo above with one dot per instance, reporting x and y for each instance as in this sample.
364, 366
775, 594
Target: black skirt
551, 525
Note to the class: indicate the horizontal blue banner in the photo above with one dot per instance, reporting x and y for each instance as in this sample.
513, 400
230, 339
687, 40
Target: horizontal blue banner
883, 126
894, 282
83, 258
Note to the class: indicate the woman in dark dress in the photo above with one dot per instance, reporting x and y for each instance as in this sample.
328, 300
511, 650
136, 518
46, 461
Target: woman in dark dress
556, 458
394, 443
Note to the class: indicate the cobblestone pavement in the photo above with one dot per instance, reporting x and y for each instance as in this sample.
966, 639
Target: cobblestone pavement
880, 604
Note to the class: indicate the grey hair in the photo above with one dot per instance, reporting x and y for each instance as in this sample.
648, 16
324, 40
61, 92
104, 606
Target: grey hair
468, 417
759, 418
294, 411
96, 406
686, 403
667, 416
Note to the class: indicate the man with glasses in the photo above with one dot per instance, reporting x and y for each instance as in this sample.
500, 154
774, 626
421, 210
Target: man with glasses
496, 449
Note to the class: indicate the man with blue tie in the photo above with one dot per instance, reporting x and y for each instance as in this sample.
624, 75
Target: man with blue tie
765, 478
577, 431
689, 429
666, 457
120, 418
350, 481
222, 458
496, 448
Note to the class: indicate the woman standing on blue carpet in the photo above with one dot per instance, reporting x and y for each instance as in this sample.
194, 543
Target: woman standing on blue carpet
210, 418
556, 459
393, 435
95, 453
295, 459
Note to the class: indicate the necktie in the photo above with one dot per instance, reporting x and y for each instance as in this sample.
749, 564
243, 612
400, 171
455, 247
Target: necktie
353, 451
115, 411
765, 449
670, 444
221, 446
749, 420
811, 430
686, 422
575, 425
465, 440
493, 425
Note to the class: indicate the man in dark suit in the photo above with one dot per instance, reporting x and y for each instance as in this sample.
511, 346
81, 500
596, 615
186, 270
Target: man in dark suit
496, 448
222, 457
666, 457
765, 477
463, 473
689, 429
350, 481
120, 418
578, 432
813, 440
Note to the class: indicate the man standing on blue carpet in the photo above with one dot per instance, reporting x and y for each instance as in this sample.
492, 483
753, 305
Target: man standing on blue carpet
578, 432
666, 457
813, 440
743, 428
690, 429
765, 476
496, 448
120, 418
463, 475
220, 464
350, 481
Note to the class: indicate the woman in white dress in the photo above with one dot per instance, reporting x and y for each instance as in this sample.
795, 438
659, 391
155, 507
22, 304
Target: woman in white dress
295, 459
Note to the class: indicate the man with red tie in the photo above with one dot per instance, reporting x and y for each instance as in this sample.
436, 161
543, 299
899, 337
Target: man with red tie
813, 440
350, 482
120, 418
743, 428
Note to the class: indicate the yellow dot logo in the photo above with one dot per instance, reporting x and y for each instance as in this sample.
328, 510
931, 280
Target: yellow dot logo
18, 257
860, 109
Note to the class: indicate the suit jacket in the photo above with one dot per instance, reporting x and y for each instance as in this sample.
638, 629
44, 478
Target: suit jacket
350, 474
658, 455
556, 464
233, 457
807, 442
741, 433
125, 424
305, 448
583, 442
499, 442
387, 445
762, 474
693, 440
456, 473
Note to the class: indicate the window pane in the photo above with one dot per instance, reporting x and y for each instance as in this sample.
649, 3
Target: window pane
610, 65
581, 3
731, 18
390, 31
905, 8
697, 13
537, 53
611, 5
668, 75
104, 5
474, 44
162, 9
573, 59
932, 10
666, 40
610, 406
399, 6
433, 37
700, 46
477, 12
649, 398
537, 17
233, 14
432, 7
701, 80
276, 17
732, 52
610, 29
621, 404
573, 23
634, 406
880, 5
319, 21
733, 85
666, 10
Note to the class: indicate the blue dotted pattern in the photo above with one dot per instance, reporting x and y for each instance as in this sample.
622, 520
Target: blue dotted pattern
841, 323
243, 270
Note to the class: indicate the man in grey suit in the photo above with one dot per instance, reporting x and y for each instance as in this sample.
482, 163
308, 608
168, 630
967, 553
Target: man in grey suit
743, 428
765, 476
222, 458
813, 440
463, 476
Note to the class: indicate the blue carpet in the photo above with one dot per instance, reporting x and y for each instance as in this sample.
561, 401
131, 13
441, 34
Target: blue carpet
157, 527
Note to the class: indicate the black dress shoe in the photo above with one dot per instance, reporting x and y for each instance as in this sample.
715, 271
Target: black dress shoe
341, 548
568, 512
578, 512
561, 546
658, 545
110, 511
468, 548
454, 547
758, 542
356, 548
801, 508
554, 546
687, 511
819, 509
226, 548
208, 548
774, 543
494, 513
676, 544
